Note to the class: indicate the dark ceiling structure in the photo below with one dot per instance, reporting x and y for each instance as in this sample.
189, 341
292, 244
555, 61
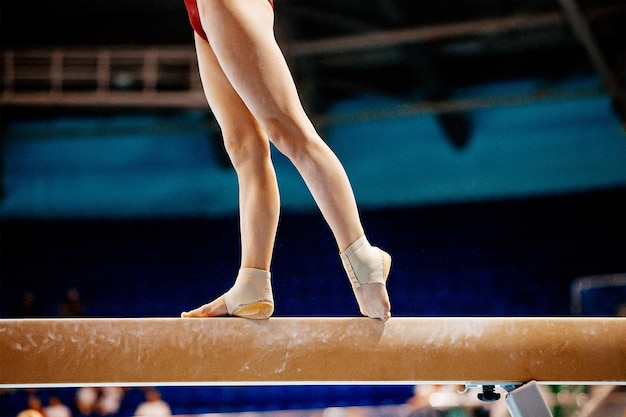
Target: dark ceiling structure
418, 51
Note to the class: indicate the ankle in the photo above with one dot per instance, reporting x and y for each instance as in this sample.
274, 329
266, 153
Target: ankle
364, 263
251, 286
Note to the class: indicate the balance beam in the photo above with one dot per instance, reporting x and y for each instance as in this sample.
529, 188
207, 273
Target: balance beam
235, 351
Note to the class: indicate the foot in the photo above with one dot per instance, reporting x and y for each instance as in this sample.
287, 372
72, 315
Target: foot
215, 308
250, 297
372, 297
368, 268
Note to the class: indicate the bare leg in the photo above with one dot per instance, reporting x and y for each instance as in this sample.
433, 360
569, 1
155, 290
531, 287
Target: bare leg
248, 148
240, 35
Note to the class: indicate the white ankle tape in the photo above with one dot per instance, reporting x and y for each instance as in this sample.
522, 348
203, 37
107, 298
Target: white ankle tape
363, 263
252, 285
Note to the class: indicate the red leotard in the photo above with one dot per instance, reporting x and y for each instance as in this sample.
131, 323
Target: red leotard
194, 17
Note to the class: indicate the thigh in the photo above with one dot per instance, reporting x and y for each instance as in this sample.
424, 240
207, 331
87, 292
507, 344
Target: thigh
241, 34
229, 110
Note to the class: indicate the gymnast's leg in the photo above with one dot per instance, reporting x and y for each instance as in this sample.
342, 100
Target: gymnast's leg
240, 34
248, 148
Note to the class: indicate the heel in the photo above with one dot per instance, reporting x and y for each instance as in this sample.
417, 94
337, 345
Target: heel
258, 310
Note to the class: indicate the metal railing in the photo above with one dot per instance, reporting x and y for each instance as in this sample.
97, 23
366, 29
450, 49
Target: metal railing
167, 76
164, 76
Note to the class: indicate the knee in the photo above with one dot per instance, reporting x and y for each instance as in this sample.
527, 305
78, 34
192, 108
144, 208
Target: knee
291, 139
246, 147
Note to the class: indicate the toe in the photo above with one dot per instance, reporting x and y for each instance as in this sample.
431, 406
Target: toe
215, 308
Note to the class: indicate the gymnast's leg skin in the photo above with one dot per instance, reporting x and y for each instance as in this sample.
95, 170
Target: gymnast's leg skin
252, 93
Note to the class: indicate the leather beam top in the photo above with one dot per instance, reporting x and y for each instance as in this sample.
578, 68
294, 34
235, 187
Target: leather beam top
235, 351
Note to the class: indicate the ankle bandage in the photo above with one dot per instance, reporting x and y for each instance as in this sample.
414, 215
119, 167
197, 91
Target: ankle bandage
251, 295
363, 263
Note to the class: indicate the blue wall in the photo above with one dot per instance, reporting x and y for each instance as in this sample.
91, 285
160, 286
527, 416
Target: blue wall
122, 166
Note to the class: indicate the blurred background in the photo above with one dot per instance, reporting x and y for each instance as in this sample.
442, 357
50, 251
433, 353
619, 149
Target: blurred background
484, 140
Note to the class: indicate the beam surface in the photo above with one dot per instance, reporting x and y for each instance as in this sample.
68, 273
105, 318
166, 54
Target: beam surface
235, 351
